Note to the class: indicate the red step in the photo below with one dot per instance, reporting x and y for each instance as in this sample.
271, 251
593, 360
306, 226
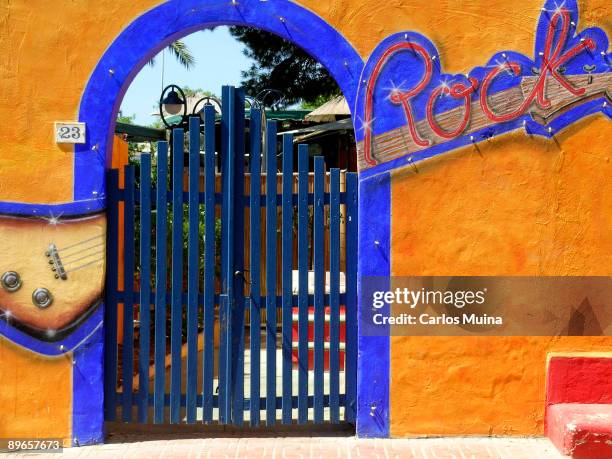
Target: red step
579, 405
326, 331
581, 431
326, 337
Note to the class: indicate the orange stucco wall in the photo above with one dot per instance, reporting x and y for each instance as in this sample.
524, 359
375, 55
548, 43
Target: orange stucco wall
547, 200
521, 206
35, 394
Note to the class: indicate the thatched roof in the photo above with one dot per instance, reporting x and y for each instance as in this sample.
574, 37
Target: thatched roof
330, 111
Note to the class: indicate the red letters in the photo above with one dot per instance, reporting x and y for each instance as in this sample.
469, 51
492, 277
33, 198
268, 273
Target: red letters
551, 61
457, 91
399, 97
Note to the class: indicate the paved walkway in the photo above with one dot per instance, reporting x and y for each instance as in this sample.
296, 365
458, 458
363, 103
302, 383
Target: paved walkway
303, 447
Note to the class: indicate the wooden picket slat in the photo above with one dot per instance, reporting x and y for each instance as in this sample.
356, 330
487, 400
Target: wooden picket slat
227, 252
271, 213
128, 293
302, 284
334, 296
287, 274
176, 304
209, 264
145, 287
193, 268
237, 271
254, 267
350, 366
160, 281
110, 311
225, 247
319, 287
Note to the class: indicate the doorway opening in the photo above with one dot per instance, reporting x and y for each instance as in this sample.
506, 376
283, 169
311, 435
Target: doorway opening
213, 343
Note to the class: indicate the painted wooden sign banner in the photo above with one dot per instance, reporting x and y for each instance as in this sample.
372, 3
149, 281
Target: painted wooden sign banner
409, 110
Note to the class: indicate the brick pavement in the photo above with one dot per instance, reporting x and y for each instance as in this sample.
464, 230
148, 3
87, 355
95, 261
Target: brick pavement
232, 445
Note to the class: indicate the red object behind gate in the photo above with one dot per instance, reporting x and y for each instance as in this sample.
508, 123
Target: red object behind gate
326, 338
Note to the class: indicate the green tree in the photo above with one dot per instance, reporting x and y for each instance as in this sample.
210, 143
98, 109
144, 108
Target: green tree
197, 92
281, 65
125, 119
316, 103
181, 52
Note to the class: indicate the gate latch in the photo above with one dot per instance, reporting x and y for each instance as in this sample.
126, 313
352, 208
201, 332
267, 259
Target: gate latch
241, 275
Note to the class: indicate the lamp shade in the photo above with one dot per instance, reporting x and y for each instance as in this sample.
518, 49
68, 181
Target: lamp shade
172, 103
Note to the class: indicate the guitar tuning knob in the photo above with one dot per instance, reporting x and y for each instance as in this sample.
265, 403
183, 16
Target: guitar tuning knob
42, 298
11, 281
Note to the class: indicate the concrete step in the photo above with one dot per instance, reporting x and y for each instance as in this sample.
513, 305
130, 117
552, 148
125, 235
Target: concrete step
579, 404
581, 431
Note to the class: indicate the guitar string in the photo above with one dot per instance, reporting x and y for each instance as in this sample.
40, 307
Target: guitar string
80, 242
85, 265
69, 258
92, 254
78, 252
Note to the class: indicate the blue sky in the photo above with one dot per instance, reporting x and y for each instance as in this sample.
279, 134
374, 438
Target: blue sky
219, 61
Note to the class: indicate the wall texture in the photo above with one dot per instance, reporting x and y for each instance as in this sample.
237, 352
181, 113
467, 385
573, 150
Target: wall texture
35, 395
525, 207
521, 206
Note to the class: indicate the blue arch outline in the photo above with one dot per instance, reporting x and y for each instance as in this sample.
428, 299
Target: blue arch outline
128, 53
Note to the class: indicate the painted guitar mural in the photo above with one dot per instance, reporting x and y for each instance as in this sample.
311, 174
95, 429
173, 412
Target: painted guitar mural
51, 275
408, 110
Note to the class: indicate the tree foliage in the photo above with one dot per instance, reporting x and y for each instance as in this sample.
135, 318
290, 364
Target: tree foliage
181, 53
126, 119
281, 65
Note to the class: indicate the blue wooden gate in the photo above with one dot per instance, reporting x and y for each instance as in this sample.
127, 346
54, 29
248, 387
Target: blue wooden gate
206, 319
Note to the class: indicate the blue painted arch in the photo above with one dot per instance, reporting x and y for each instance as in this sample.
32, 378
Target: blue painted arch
120, 63
154, 30
158, 27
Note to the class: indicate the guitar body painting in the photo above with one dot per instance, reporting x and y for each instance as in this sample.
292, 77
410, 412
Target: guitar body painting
52, 273
408, 109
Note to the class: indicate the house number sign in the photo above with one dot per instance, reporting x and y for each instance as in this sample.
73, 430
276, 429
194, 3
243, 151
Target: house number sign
69, 132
